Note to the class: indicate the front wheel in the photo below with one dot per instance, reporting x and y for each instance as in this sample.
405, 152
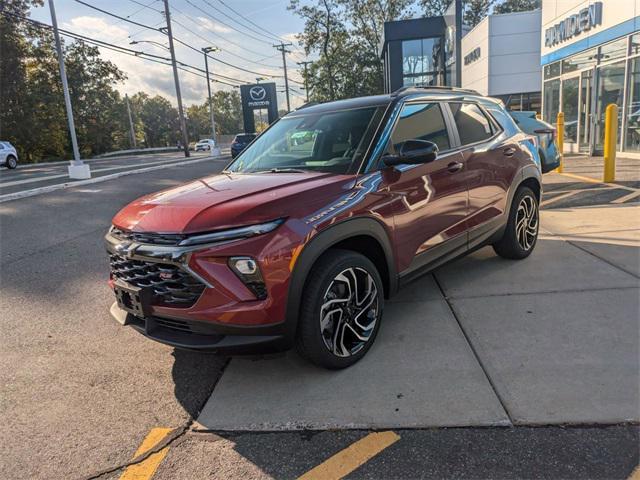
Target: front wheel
12, 162
521, 233
341, 310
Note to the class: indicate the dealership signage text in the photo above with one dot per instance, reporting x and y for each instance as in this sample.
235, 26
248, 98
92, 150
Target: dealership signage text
584, 20
472, 56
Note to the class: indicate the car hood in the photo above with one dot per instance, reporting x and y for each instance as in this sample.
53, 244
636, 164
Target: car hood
229, 199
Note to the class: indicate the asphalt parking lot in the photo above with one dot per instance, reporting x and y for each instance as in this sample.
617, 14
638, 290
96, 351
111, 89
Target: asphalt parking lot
485, 369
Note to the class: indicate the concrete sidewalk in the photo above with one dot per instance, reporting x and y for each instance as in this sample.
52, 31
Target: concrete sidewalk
549, 340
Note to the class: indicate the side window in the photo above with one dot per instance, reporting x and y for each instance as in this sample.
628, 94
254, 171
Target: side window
473, 125
423, 121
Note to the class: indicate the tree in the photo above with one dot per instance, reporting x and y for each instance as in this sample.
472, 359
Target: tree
434, 8
475, 11
509, 6
228, 110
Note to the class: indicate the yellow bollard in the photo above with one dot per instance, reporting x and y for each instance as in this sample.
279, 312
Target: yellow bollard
560, 140
610, 142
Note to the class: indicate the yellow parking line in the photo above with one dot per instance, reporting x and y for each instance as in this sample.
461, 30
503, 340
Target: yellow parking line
627, 197
356, 454
593, 180
145, 469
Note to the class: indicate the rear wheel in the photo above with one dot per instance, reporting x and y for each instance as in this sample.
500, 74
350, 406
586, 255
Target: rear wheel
12, 162
342, 307
521, 233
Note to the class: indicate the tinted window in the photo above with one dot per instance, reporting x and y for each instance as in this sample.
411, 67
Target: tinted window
420, 121
326, 142
244, 138
473, 125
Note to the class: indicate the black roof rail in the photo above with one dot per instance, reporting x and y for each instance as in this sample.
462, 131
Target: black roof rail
308, 104
434, 87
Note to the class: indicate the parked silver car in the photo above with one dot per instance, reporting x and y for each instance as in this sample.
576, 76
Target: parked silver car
8, 155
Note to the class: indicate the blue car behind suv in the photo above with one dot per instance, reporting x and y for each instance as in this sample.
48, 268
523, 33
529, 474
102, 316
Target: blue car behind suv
240, 143
545, 133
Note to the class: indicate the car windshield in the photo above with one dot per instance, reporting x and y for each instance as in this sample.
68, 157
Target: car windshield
244, 138
325, 142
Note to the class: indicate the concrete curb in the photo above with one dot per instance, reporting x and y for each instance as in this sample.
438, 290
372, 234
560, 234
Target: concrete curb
59, 186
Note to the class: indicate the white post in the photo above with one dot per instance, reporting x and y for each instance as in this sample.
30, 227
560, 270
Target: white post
77, 168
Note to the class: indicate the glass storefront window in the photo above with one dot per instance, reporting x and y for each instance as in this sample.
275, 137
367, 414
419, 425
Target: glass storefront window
613, 50
580, 61
570, 93
635, 44
610, 90
632, 142
551, 101
422, 62
552, 70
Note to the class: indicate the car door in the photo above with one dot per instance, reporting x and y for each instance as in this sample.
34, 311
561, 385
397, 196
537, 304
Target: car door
489, 158
428, 201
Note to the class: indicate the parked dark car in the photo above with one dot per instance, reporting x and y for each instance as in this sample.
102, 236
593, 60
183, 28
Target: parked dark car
240, 142
300, 244
546, 135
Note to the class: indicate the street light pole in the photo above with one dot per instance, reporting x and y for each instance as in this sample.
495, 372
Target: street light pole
77, 168
306, 77
216, 148
133, 132
183, 124
282, 48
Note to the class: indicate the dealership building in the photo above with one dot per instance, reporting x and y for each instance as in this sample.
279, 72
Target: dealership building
574, 56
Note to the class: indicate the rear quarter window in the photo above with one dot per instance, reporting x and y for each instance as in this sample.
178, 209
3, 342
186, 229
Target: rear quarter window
473, 125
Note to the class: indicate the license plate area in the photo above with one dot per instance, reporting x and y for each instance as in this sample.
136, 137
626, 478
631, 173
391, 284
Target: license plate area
135, 300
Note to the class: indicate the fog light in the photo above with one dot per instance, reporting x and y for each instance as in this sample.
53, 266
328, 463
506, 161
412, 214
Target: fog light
246, 268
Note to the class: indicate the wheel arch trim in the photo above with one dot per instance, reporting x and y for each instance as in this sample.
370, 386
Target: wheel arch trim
323, 241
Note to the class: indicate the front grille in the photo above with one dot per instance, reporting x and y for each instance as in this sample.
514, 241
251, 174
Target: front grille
171, 324
149, 238
171, 285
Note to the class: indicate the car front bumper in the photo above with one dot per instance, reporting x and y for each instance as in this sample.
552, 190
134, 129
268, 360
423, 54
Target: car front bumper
204, 337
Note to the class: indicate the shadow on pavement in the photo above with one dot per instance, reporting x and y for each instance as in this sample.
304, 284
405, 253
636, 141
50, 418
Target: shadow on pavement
195, 375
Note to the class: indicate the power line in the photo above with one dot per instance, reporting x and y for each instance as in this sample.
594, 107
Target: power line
272, 35
223, 23
124, 19
127, 51
176, 39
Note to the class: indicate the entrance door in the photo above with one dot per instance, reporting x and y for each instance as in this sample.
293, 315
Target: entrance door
610, 90
585, 118
570, 108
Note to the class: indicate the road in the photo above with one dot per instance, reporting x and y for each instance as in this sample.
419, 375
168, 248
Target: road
526, 371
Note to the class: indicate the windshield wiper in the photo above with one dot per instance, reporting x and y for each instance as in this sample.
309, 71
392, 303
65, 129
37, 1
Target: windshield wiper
283, 170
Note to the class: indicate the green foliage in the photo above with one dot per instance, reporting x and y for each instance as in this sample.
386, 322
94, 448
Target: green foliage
509, 6
434, 8
32, 113
475, 10
346, 35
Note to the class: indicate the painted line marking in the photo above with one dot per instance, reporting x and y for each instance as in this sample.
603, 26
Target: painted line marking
593, 180
59, 186
356, 454
145, 469
97, 170
559, 197
626, 198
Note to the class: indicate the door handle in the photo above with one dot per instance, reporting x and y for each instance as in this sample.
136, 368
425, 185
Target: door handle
454, 167
509, 151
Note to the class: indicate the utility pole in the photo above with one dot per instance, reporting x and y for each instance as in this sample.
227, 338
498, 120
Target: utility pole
183, 124
133, 132
216, 148
77, 168
283, 49
306, 86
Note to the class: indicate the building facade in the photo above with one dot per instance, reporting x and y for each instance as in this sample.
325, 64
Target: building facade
590, 56
501, 58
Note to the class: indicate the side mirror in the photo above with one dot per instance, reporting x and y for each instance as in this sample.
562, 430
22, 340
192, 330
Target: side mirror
413, 152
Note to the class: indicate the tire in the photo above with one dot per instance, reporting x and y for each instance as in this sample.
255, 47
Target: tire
11, 162
330, 280
516, 243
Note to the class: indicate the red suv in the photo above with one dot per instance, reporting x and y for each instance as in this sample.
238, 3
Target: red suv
301, 238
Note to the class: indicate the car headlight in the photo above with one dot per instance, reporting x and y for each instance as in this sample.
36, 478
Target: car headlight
233, 233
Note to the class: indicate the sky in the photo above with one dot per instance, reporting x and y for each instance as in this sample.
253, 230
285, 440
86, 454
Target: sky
199, 23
